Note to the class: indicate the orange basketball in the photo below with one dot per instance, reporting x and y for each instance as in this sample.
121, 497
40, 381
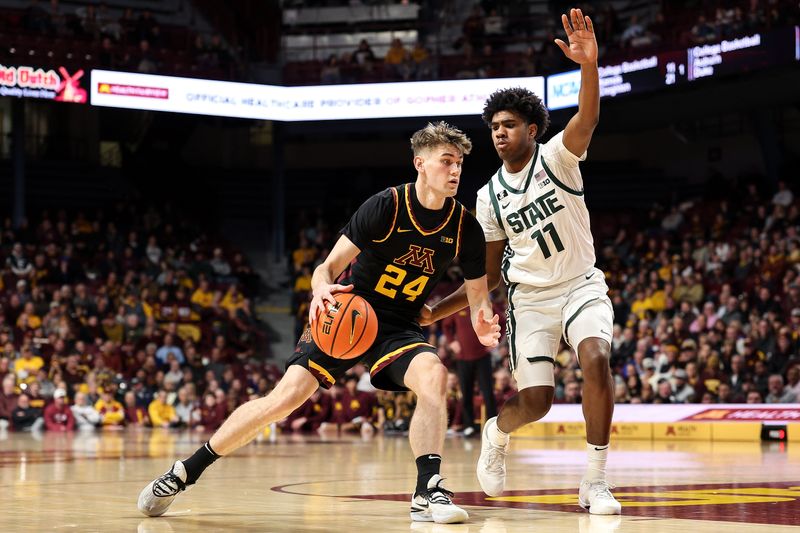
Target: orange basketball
348, 329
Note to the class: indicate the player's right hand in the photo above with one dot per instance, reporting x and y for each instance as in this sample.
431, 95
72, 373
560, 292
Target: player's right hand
323, 297
425, 317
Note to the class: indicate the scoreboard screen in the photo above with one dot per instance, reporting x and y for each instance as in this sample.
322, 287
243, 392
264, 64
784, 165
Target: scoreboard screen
656, 71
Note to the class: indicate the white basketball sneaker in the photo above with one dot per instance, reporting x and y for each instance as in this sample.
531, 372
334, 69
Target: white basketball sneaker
157, 496
492, 463
597, 498
435, 505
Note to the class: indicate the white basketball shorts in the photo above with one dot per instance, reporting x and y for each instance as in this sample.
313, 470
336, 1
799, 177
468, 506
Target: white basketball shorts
538, 317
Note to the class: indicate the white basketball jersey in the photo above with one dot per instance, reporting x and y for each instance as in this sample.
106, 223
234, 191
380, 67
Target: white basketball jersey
542, 213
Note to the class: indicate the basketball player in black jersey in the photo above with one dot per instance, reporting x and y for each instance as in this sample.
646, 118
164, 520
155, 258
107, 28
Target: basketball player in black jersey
398, 244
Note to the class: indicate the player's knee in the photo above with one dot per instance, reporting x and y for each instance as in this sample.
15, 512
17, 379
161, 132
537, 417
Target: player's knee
438, 380
432, 384
595, 355
535, 402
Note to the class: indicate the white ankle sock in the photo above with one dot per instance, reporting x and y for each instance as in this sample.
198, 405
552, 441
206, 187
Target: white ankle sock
596, 469
497, 437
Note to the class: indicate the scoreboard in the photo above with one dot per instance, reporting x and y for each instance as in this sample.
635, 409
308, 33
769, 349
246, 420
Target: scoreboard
656, 71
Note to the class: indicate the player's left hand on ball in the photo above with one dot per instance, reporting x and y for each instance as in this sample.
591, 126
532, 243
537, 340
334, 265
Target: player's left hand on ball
323, 299
488, 331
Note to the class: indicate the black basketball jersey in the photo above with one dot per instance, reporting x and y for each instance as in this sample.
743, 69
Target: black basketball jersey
405, 250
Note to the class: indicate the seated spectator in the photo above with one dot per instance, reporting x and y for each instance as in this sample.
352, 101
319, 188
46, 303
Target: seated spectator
26, 418
135, 414
162, 414
28, 364
494, 27
684, 393
793, 378
784, 197
422, 64
169, 348
111, 411
220, 266
777, 392
19, 265
330, 73
754, 397
86, 416
364, 57
57, 415
175, 375
703, 32
396, 62
8, 400
185, 409
212, 415
145, 60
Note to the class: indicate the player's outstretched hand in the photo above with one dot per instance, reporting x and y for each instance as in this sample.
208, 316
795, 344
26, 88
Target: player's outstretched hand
582, 47
425, 317
488, 331
323, 297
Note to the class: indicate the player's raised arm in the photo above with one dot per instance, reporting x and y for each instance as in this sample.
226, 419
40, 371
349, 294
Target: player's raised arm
486, 325
582, 49
322, 282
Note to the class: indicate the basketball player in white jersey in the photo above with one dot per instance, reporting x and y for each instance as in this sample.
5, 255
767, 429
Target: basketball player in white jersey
538, 239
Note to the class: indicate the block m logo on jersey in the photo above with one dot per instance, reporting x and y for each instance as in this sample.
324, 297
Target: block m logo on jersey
418, 257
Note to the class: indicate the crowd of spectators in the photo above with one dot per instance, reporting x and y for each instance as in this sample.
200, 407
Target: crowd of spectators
499, 39
96, 35
101, 328
131, 317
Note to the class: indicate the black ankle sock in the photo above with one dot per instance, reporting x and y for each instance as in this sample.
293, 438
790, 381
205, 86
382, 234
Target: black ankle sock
427, 467
198, 462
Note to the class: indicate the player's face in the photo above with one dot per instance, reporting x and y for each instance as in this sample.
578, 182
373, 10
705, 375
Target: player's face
441, 167
511, 135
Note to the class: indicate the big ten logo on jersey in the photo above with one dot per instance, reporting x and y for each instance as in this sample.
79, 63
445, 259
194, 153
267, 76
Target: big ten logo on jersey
541, 208
541, 179
329, 317
394, 277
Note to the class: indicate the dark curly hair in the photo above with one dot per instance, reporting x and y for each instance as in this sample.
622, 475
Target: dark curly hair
520, 101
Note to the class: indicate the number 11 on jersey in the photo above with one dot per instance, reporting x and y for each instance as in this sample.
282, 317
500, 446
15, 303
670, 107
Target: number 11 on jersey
549, 228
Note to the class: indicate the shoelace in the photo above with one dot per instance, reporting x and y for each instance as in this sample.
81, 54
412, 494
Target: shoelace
168, 485
495, 459
439, 494
602, 489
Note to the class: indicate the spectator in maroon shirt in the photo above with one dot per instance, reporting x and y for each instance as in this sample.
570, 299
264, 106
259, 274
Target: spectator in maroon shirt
310, 415
359, 407
473, 360
211, 417
8, 401
58, 415
503, 389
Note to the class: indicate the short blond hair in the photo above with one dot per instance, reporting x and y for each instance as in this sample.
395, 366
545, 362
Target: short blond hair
438, 133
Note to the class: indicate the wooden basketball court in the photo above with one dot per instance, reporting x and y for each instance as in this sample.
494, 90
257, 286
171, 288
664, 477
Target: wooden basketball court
301, 484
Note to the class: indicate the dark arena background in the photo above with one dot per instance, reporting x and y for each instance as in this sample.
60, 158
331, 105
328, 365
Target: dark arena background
173, 172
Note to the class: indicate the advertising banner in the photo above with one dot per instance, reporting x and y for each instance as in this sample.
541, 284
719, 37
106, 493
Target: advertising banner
26, 81
271, 102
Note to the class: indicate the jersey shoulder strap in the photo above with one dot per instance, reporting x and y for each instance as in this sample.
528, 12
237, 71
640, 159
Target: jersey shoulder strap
493, 198
394, 217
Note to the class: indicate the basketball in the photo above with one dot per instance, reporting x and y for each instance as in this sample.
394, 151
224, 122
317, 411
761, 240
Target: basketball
348, 328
